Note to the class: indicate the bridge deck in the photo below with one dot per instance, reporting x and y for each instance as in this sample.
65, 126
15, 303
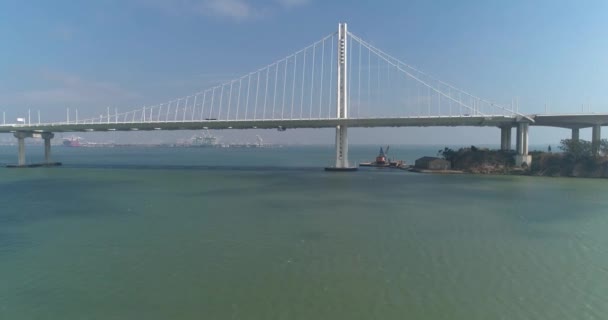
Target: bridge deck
563, 121
266, 124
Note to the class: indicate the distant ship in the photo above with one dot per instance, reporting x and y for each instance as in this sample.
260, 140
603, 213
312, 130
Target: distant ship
206, 140
258, 144
72, 141
78, 142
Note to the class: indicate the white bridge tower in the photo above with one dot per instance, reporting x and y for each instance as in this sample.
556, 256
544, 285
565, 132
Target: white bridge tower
342, 103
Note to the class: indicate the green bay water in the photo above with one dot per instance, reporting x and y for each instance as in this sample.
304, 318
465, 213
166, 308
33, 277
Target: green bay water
161, 233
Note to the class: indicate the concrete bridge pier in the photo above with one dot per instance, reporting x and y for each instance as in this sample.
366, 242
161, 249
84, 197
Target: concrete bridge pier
342, 147
505, 138
576, 133
522, 157
596, 137
21, 135
47, 136
21, 155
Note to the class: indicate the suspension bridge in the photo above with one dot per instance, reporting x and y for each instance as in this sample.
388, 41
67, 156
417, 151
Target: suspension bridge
341, 82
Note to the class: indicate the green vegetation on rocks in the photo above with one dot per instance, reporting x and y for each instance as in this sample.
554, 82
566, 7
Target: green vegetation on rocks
480, 160
576, 159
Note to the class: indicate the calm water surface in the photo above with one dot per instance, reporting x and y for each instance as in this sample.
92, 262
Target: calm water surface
265, 234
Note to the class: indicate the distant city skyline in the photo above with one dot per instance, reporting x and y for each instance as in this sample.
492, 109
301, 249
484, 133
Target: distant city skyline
88, 56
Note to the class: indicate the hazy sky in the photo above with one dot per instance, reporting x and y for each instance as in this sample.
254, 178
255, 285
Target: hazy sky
91, 55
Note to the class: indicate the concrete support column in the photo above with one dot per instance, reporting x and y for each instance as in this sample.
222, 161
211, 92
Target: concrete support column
596, 136
525, 139
47, 136
21, 145
576, 134
342, 147
21, 155
505, 138
522, 156
519, 139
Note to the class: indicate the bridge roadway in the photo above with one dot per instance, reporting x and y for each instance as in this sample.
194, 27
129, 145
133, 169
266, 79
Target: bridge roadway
570, 121
575, 122
264, 124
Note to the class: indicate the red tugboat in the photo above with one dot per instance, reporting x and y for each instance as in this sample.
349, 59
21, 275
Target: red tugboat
382, 161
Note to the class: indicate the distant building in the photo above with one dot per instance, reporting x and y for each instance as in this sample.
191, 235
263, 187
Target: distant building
432, 163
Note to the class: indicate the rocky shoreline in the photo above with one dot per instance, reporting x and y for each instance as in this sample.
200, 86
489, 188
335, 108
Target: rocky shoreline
474, 160
562, 165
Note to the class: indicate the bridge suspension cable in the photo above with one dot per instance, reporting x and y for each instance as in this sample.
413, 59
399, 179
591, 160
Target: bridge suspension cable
301, 86
260, 95
406, 90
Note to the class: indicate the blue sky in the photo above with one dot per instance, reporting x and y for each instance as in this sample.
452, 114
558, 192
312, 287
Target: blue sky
136, 52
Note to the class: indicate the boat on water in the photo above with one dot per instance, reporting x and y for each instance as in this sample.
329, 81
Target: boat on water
72, 141
383, 161
208, 140
78, 142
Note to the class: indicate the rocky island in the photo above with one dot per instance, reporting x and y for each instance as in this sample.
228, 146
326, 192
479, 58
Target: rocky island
575, 159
